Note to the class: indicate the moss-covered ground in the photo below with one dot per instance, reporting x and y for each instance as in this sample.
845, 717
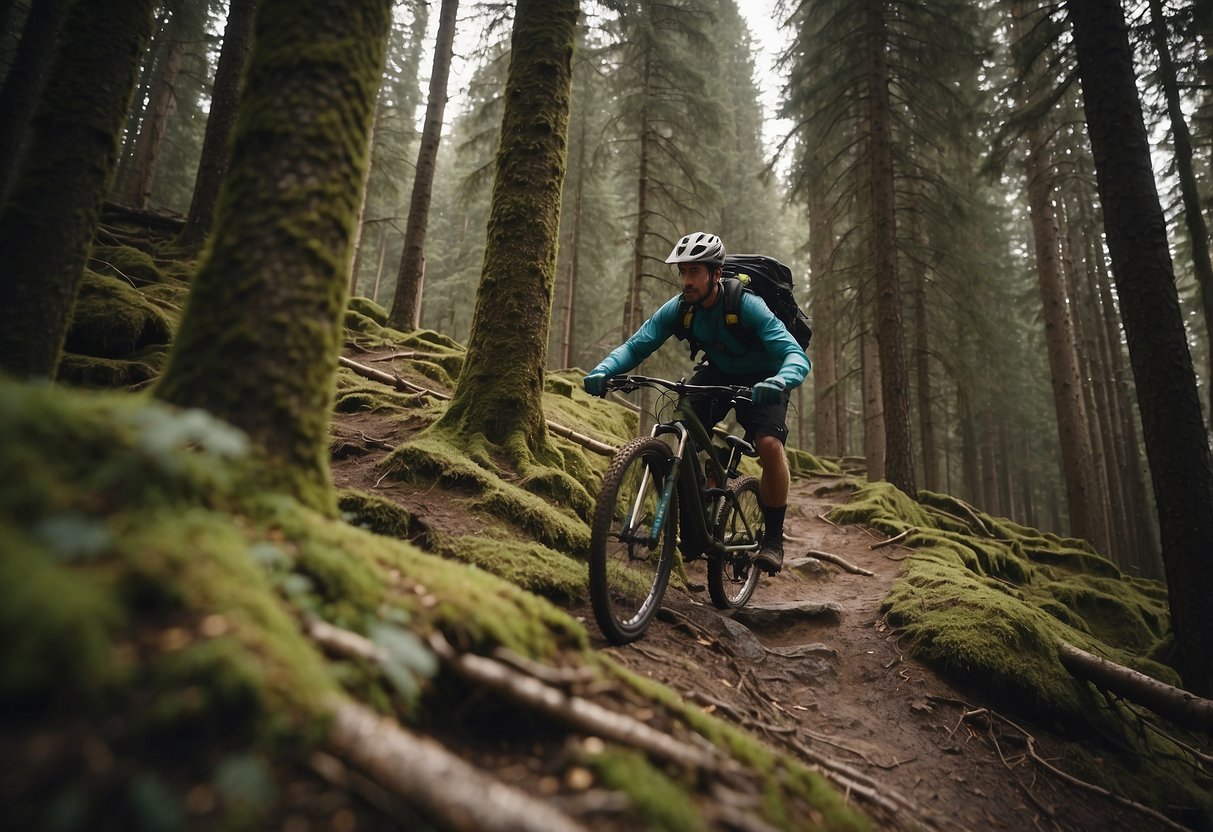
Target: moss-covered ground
988, 601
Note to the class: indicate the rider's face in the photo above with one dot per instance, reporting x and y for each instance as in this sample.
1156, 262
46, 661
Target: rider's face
696, 281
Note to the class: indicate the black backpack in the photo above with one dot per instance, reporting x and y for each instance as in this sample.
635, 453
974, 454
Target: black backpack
765, 277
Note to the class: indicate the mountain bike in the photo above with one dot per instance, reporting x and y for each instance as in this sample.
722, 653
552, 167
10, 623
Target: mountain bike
650, 486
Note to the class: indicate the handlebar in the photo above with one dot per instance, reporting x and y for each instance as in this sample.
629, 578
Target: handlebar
628, 384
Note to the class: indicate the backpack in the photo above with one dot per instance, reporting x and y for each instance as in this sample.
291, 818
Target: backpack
766, 277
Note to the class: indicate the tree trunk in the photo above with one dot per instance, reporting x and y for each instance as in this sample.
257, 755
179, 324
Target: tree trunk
225, 95
825, 365
24, 80
1085, 520
894, 378
633, 311
259, 340
1176, 441
922, 361
570, 294
1198, 233
160, 105
499, 396
48, 221
130, 132
874, 433
405, 314
363, 195
969, 461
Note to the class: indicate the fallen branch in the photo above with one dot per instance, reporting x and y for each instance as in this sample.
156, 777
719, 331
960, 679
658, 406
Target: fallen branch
575, 712
1173, 703
1030, 743
405, 386
422, 772
156, 219
897, 538
840, 562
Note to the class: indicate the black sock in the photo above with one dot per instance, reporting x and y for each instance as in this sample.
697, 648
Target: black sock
774, 521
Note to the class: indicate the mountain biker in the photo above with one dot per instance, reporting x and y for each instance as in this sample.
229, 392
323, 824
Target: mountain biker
772, 365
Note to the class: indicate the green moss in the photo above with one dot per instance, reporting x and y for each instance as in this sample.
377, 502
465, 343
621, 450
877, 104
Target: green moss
126, 263
801, 463
659, 802
1111, 610
882, 506
431, 458
529, 565
374, 513
368, 308
103, 373
112, 320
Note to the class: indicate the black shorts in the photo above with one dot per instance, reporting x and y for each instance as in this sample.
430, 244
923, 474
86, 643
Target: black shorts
758, 420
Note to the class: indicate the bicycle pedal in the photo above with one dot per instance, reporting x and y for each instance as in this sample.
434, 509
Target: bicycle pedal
696, 587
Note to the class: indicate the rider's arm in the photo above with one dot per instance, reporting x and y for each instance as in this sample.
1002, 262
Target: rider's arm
776, 340
652, 334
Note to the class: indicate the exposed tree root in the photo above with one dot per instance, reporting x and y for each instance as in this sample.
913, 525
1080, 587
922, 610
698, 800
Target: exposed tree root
840, 562
426, 775
1175, 704
405, 386
897, 538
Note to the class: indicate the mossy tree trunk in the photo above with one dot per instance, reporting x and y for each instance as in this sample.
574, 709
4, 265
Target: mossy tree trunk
1176, 440
259, 339
405, 314
23, 82
499, 396
51, 211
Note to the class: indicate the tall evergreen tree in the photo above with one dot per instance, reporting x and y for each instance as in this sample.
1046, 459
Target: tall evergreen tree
212, 167
259, 339
1175, 435
405, 313
50, 214
23, 81
499, 396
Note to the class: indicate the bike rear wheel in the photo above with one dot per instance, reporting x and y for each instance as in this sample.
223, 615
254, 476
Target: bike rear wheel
629, 569
732, 578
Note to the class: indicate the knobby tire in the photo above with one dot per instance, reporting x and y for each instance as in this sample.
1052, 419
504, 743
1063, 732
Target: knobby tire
628, 575
733, 578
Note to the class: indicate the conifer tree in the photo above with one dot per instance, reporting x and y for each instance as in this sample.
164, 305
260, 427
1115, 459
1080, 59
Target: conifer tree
499, 396
50, 214
258, 343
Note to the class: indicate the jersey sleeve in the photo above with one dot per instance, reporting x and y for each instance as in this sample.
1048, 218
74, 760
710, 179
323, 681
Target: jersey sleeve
776, 340
644, 342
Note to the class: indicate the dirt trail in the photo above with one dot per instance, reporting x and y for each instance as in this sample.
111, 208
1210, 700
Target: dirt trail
810, 665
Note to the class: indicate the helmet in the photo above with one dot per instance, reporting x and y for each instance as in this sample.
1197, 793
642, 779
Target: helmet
698, 247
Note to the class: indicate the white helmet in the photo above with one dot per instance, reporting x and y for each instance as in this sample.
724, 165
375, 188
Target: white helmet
698, 247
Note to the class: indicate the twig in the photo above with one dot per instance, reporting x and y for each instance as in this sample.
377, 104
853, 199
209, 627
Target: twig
825, 519
897, 538
840, 562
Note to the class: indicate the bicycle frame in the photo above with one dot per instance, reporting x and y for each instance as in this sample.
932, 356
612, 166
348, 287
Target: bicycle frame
687, 474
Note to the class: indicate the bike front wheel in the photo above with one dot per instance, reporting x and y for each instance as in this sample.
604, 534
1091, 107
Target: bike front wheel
629, 562
732, 578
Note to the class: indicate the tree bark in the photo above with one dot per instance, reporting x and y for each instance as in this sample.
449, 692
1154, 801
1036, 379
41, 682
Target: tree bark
1081, 499
1176, 440
1198, 233
570, 293
184, 25
922, 359
405, 314
24, 81
225, 95
825, 364
894, 377
51, 212
258, 343
499, 397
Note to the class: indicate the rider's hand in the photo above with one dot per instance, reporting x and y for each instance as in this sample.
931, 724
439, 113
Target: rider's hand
595, 384
767, 392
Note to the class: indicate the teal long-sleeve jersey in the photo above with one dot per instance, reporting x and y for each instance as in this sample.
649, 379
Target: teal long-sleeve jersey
776, 353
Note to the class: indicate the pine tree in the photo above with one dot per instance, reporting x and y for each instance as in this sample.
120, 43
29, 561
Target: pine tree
499, 396
48, 219
258, 343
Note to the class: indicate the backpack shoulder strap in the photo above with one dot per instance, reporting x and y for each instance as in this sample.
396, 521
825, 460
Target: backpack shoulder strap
733, 290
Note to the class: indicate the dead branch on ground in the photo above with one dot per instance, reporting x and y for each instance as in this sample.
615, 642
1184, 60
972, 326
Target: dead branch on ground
897, 538
425, 774
840, 562
1173, 703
